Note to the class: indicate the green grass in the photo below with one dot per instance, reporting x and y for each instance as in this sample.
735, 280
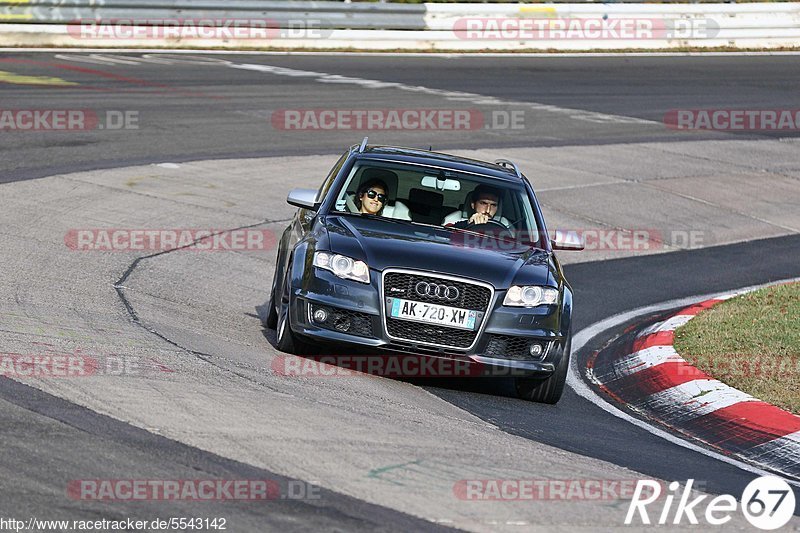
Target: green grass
751, 342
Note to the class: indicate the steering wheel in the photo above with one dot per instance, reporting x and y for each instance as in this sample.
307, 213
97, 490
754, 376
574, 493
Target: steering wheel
493, 228
489, 224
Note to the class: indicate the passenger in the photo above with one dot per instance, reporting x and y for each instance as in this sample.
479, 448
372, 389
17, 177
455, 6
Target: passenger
485, 201
371, 197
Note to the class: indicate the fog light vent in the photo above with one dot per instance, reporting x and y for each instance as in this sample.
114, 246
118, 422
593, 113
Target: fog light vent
342, 323
512, 347
341, 320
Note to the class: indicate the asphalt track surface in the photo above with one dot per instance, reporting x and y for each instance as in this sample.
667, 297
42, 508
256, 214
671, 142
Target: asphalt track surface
207, 112
607, 288
204, 112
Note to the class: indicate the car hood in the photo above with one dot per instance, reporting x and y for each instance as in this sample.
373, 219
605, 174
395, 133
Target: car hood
385, 243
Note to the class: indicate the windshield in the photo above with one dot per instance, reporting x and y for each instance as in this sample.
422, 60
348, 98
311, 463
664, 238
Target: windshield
436, 197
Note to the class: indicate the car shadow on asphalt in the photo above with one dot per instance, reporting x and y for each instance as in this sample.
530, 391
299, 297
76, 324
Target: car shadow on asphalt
493, 386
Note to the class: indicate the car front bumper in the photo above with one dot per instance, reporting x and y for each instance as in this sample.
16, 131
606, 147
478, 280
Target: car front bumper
362, 304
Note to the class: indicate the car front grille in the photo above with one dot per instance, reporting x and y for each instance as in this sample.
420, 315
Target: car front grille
430, 333
471, 296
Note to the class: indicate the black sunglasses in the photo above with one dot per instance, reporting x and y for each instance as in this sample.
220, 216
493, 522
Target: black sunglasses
373, 194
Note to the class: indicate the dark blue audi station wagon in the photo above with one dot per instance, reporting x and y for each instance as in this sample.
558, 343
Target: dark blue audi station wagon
405, 251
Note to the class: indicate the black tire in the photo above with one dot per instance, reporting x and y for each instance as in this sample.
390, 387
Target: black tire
287, 341
550, 389
284, 334
272, 314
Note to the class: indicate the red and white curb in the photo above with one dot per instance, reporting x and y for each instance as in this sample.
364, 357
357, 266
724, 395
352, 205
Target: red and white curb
654, 380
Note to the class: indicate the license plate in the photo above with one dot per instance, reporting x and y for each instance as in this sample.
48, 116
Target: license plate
432, 313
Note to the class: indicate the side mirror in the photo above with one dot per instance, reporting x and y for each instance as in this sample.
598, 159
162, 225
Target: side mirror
303, 198
568, 240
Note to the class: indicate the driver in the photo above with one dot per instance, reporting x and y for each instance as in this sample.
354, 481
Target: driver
485, 201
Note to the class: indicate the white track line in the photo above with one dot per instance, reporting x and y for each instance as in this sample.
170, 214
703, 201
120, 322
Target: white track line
458, 96
577, 384
366, 83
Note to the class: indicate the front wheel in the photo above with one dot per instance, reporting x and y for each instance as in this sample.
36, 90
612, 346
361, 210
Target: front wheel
548, 390
271, 320
287, 340
272, 313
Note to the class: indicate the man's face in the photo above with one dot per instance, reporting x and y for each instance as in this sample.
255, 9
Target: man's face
486, 204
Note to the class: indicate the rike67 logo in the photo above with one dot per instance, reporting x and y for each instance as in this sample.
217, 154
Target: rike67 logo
767, 502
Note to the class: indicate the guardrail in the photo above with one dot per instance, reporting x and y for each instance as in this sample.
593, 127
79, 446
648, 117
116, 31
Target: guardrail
386, 26
330, 14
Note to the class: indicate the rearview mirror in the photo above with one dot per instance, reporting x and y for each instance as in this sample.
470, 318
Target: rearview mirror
432, 182
568, 240
303, 198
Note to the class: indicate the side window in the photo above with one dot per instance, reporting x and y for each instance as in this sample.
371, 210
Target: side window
326, 185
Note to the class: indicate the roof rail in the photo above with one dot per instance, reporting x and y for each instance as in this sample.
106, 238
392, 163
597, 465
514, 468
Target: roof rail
509, 164
363, 145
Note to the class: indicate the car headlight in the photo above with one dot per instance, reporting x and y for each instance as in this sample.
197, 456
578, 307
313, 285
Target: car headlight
342, 266
530, 296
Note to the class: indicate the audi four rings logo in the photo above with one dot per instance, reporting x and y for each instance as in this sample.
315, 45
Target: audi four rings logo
432, 290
